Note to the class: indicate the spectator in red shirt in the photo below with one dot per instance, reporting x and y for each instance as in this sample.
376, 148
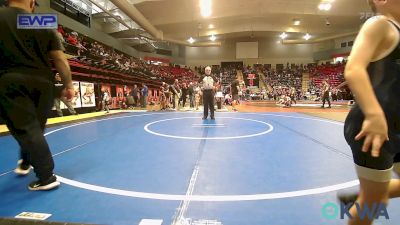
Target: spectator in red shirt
73, 38
60, 30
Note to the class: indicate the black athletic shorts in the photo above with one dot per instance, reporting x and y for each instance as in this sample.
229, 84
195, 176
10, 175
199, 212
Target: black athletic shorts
390, 151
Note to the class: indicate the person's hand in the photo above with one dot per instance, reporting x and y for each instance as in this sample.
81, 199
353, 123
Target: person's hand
69, 91
375, 131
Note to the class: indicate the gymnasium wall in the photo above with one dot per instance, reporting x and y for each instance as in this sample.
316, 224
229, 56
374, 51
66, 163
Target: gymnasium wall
325, 50
269, 52
178, 54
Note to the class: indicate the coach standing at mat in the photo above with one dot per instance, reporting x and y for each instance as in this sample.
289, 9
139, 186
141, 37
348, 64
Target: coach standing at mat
26, 88
208, 81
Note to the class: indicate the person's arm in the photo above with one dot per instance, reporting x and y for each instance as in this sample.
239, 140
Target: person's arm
55, 50
341, 85
374, 127
62, 66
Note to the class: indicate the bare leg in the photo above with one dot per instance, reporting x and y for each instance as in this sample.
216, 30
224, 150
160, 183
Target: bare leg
370, 193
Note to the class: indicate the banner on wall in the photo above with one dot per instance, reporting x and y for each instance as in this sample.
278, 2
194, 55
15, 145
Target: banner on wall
88, 96
76, 99
120, 92
106, 87
251, 78
121, 99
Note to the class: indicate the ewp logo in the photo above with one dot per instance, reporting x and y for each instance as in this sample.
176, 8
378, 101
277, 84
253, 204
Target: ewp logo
331, 211
37, 21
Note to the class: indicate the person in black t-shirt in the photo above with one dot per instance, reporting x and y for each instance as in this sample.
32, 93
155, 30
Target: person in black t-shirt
176, 94
235, 93
58, 97
191, 94
26, 89
184, 91
325, 93
135, 95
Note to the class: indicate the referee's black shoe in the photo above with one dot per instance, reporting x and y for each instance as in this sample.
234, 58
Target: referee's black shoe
44, 185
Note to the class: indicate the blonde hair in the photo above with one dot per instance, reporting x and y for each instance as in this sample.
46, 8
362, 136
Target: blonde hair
372, 5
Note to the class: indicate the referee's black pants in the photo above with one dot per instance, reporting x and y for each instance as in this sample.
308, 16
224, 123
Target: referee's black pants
208, 102
325, 97
25, 102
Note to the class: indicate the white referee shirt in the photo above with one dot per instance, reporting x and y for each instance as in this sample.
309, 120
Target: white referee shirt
208, 83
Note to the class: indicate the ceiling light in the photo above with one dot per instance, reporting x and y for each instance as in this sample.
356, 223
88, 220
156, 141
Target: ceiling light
213, 38
325, 6
191, 40
211, 26
328, 6
283, 35
291, 30
307, 36
296, 22
205, 8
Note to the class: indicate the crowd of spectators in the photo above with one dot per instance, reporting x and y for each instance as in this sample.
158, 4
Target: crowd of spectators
228, 74
287, 81
98, 54
284, 80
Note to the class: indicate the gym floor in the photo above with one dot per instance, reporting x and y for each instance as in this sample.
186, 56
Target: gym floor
261, 165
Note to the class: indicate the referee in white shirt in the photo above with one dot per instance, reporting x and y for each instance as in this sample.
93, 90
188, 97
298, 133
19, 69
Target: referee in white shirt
208, 92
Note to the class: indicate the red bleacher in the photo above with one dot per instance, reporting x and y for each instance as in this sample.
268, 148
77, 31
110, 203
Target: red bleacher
170, 72
334, 74
80, 69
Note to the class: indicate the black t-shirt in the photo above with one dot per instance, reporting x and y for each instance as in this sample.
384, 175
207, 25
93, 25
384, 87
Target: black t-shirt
185, 91
135, 92
234, 88
191, 90
25, 50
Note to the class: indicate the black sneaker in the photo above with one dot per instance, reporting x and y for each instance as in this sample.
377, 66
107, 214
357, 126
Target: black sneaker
204, 118
46, 185
22, 169
212, 118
